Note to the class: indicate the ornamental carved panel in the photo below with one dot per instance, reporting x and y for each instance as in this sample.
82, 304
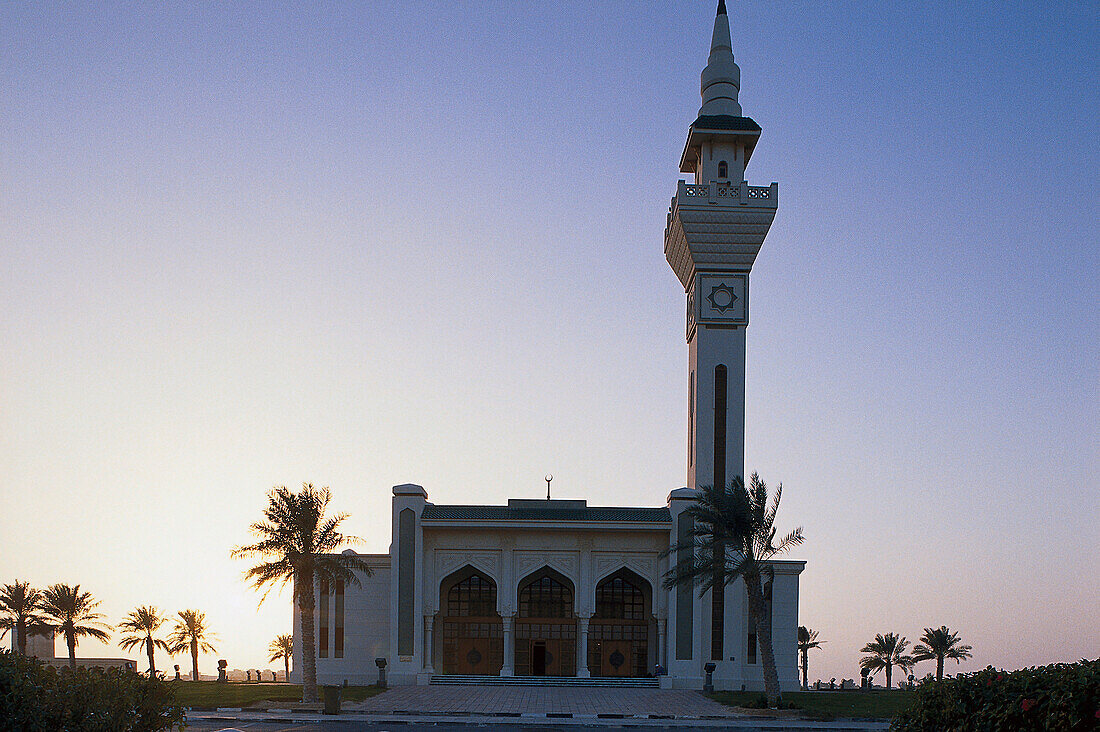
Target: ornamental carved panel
527, 561
447, 561
644, 565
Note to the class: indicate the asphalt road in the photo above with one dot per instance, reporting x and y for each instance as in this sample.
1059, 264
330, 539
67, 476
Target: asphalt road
334, 726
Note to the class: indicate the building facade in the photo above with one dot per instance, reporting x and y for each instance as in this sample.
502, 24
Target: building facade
558, 588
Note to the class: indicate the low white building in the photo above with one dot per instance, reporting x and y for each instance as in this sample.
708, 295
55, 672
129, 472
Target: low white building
44, 648
562, 589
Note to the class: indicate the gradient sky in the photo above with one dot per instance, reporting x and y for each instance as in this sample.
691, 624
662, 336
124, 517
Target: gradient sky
252, 244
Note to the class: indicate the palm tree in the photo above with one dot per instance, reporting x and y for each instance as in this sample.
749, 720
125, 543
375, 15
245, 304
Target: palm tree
191, 634
20, 612
71, 613
886, 651
734, 536
141, 624
807, 639
301, 541
282, 648
940, 644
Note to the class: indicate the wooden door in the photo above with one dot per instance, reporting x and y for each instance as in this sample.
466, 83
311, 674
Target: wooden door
473, 656
615, 658
553, 658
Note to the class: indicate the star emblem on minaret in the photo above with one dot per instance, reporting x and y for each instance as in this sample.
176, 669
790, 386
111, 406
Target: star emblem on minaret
722, 297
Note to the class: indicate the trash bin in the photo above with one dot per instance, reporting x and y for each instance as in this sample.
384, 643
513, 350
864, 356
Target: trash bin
332, 699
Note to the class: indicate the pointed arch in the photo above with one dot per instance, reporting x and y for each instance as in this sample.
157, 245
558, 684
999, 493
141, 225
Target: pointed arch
472, 634
620, 631
624, 587
546, 624
546, 590
468, 592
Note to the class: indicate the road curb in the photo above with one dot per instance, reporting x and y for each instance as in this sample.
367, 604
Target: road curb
560, 719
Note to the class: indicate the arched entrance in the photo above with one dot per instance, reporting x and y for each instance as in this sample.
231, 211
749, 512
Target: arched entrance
473, 634
618, 634
546, 626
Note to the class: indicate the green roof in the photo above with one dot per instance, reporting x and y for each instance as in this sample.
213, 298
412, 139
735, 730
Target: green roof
725, 122
513, 513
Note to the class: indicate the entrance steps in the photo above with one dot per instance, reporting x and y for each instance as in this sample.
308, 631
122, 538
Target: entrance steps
605, 681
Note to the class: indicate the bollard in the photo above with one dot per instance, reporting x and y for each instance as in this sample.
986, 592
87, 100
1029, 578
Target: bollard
332, 699
709, 685
381, 664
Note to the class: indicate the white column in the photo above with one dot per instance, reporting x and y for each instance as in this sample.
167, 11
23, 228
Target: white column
582, 649
508, 669
662, 641
429, 648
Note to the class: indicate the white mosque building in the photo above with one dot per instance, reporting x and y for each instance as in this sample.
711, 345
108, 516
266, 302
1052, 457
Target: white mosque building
559, 589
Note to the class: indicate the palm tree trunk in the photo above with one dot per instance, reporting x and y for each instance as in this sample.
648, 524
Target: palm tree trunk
194, 659
70, 641
149, 652
939, 668
21, 637
764, 639
306, 603
286, 664
889, 669
805, 668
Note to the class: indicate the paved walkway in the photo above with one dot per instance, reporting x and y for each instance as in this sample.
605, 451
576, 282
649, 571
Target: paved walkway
541, 700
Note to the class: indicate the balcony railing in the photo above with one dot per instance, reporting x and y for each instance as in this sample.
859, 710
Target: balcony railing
728, 194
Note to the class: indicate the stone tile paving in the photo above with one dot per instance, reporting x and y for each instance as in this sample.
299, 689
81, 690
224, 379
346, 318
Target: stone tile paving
540, 700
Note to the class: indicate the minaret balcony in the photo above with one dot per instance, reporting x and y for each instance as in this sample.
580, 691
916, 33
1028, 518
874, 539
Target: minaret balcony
717, 226
727, 194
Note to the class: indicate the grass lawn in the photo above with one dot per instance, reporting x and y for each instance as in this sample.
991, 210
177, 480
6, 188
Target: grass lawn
211, 694
830, 704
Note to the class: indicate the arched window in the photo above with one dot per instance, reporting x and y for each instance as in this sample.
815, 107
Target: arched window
618, 599
618, 636
546, 598
723, 169
475, 596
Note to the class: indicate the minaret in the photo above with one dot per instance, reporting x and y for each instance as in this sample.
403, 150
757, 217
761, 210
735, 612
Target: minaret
715, 228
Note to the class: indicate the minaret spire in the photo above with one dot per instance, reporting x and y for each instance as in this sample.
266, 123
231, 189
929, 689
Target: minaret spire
721, 79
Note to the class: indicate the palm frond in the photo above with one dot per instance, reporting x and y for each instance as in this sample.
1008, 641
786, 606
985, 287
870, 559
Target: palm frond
69, 611
299, 542
98, 633
807, 639
939, 643
282, 647
732, 536
190, 625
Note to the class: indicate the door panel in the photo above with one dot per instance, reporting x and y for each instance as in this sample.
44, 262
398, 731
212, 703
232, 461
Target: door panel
553, 658
615, 658
473, 656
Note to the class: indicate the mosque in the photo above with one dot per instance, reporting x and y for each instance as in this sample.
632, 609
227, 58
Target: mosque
558, 591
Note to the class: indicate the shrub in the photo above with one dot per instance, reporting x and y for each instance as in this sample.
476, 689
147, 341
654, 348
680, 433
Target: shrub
1063, 697
35, 697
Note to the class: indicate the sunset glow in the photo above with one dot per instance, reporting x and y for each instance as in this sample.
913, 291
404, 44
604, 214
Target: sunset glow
256, 244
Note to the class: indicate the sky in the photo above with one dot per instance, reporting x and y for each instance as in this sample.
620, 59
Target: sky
245, 245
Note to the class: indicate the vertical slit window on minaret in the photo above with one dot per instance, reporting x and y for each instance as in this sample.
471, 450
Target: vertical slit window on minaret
717, 620
691, 421
723, 169
322, 621
719, 426
338, 621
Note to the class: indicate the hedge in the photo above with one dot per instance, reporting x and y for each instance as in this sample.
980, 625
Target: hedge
36, 697
1062, 697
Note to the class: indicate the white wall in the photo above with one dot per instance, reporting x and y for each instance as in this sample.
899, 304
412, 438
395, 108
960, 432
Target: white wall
366, 630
